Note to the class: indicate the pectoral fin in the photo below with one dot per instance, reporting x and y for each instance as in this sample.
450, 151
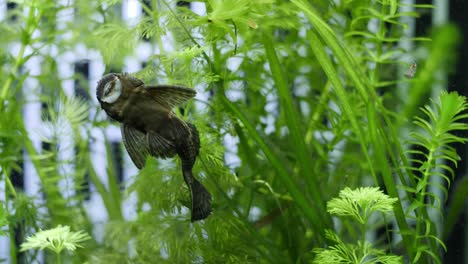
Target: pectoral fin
159, 146
135, 143
170, 95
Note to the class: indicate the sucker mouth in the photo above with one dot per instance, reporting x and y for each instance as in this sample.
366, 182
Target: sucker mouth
112, 83
110, 77
110, 89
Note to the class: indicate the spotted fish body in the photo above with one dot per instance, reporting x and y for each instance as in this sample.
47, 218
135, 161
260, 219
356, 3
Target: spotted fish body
411, 71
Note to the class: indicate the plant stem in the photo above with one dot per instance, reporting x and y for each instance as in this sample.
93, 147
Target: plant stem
59, 258
160, 42
11, 230
18, 62
317, 114
4, 94
363, 234
29, 28
295, 130
10, 186
13, 250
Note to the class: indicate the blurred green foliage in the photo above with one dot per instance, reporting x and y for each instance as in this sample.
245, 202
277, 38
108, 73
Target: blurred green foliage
323, 105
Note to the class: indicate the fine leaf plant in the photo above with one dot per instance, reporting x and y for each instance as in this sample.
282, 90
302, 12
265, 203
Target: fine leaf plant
359, 205
305, 90
433, 156
56, 240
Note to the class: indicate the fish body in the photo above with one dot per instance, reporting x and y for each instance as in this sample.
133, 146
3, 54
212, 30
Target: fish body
150, 127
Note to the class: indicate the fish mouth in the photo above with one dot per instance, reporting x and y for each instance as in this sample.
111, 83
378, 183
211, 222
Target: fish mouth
110, 77
106, 78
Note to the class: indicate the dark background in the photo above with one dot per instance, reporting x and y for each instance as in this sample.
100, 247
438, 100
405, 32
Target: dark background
457, 81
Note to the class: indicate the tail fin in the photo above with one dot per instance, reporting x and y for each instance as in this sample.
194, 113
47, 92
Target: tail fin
201, 201
201, 198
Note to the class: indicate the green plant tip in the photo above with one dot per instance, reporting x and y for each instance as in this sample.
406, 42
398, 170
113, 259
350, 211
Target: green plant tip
56, 239
360, 203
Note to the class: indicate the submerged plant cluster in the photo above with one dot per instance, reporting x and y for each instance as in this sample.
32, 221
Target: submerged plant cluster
301, 104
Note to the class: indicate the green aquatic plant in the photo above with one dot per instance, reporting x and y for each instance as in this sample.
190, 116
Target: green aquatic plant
433, 157
307, 92
56, 240
359, 204
359, 253
3, 219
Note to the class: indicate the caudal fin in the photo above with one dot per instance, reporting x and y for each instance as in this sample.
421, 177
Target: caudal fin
201, 201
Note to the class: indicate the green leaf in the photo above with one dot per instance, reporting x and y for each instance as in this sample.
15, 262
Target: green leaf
56, 240
360, 203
